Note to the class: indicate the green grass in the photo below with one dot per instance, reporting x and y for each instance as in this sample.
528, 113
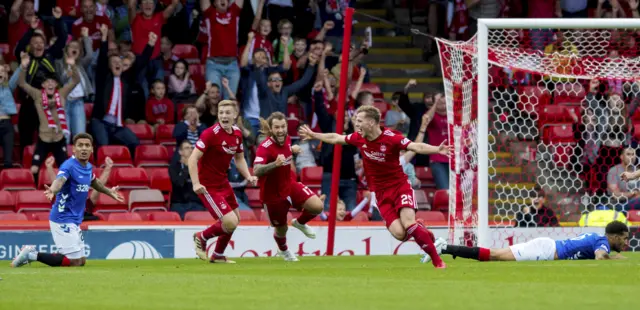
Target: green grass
380, 282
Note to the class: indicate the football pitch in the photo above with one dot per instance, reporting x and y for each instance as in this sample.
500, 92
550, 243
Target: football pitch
375, 282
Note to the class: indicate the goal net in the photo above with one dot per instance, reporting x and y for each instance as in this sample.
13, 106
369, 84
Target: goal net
558, 118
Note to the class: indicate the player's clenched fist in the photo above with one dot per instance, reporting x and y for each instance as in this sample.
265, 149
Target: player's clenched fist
253, 180
199, 189
280, 160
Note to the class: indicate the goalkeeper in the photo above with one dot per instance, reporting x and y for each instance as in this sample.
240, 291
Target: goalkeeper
584, 246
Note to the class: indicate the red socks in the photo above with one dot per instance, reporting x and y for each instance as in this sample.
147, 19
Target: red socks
484, 255
305, 217
424, 239
281, 242
221, 243
213, 231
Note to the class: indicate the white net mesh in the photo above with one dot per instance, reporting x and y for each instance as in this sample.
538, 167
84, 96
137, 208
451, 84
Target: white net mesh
561, 130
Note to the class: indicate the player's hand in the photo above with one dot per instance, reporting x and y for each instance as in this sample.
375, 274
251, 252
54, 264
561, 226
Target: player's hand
296, 149
48, 193
57, 12
113, 193
280, 160
445, 149
306, 133
199, 189
49, 162
253, 180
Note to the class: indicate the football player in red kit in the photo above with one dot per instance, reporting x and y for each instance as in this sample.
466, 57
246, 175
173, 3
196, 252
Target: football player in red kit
380, 149
208, 167
279, 190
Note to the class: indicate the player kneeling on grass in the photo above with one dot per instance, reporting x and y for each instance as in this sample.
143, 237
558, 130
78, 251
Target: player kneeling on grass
70, 189
279, 190
208, 167
584, 246
380, 149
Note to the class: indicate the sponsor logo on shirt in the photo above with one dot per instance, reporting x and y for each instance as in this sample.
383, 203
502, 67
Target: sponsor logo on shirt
377, 156
231, 150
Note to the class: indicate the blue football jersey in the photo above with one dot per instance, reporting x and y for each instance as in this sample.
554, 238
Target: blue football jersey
583, 246
71, 201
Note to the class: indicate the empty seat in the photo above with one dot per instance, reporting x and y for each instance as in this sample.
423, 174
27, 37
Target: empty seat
151, 156
311, 176
431, 216
248, 215
44, 179
105, 203
124, 217
159, 179
185, 51
13, 217
119, 154
441, 201
144, 132
425, 176
421, 200
553, 114
164, 134
7, 202
562, 133
38, 215
146, 199
27, 156
361, 217
253, 194
158, 216
33, 200
16, 179
198, 216
130, 178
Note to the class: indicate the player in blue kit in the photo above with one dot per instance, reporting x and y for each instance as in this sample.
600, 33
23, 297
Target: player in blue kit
70, 189
584, 246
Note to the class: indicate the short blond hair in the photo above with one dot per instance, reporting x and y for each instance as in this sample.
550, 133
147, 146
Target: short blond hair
228, 103
370, 112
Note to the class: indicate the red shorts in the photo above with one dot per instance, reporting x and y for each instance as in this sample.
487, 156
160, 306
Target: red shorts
219, 201
277, 211
391, 200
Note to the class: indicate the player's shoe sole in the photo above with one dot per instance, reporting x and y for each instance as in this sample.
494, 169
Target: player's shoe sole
23, 257
220, 260
201, 246
305, 229
288, 256
439, 244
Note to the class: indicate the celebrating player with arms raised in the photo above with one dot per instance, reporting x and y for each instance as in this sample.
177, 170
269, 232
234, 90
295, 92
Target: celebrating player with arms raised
584, 246
279, 191
208, 166
381, 152
70, 189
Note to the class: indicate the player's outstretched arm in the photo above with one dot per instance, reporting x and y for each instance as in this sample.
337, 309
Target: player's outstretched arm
423, 148
243, 168
332, 138
111, 192
602, 255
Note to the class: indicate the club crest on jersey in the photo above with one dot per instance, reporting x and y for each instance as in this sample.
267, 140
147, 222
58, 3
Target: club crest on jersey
383, 148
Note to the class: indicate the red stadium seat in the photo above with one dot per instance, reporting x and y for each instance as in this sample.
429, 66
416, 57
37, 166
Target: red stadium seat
144, 132
185, 51
124, 217
361, 217
44, 179
119, 154
146, 199
160, 180
311, 177
553, 114
13, 217
634, 216
107, 204
430, 193
441, 201
253, 194
151, 156
431, 216
197, 75
425, 176
164, 134
374, 89
382, 106
16, 179
561, 133
569, 93
88, 110
421, 200
171, 149
38, 216
7, 202
248, 215
27, 156
292, 127
33, 200
164, 216
130, 178
198, 216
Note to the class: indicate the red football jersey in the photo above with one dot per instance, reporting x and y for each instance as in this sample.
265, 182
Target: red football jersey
140, 29
222, 31
275, 185
381, 158
94, 29
219, 147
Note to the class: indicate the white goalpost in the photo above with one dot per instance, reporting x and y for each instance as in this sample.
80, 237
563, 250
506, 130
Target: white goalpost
524, 118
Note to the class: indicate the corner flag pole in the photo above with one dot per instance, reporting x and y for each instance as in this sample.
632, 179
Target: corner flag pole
337, 149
